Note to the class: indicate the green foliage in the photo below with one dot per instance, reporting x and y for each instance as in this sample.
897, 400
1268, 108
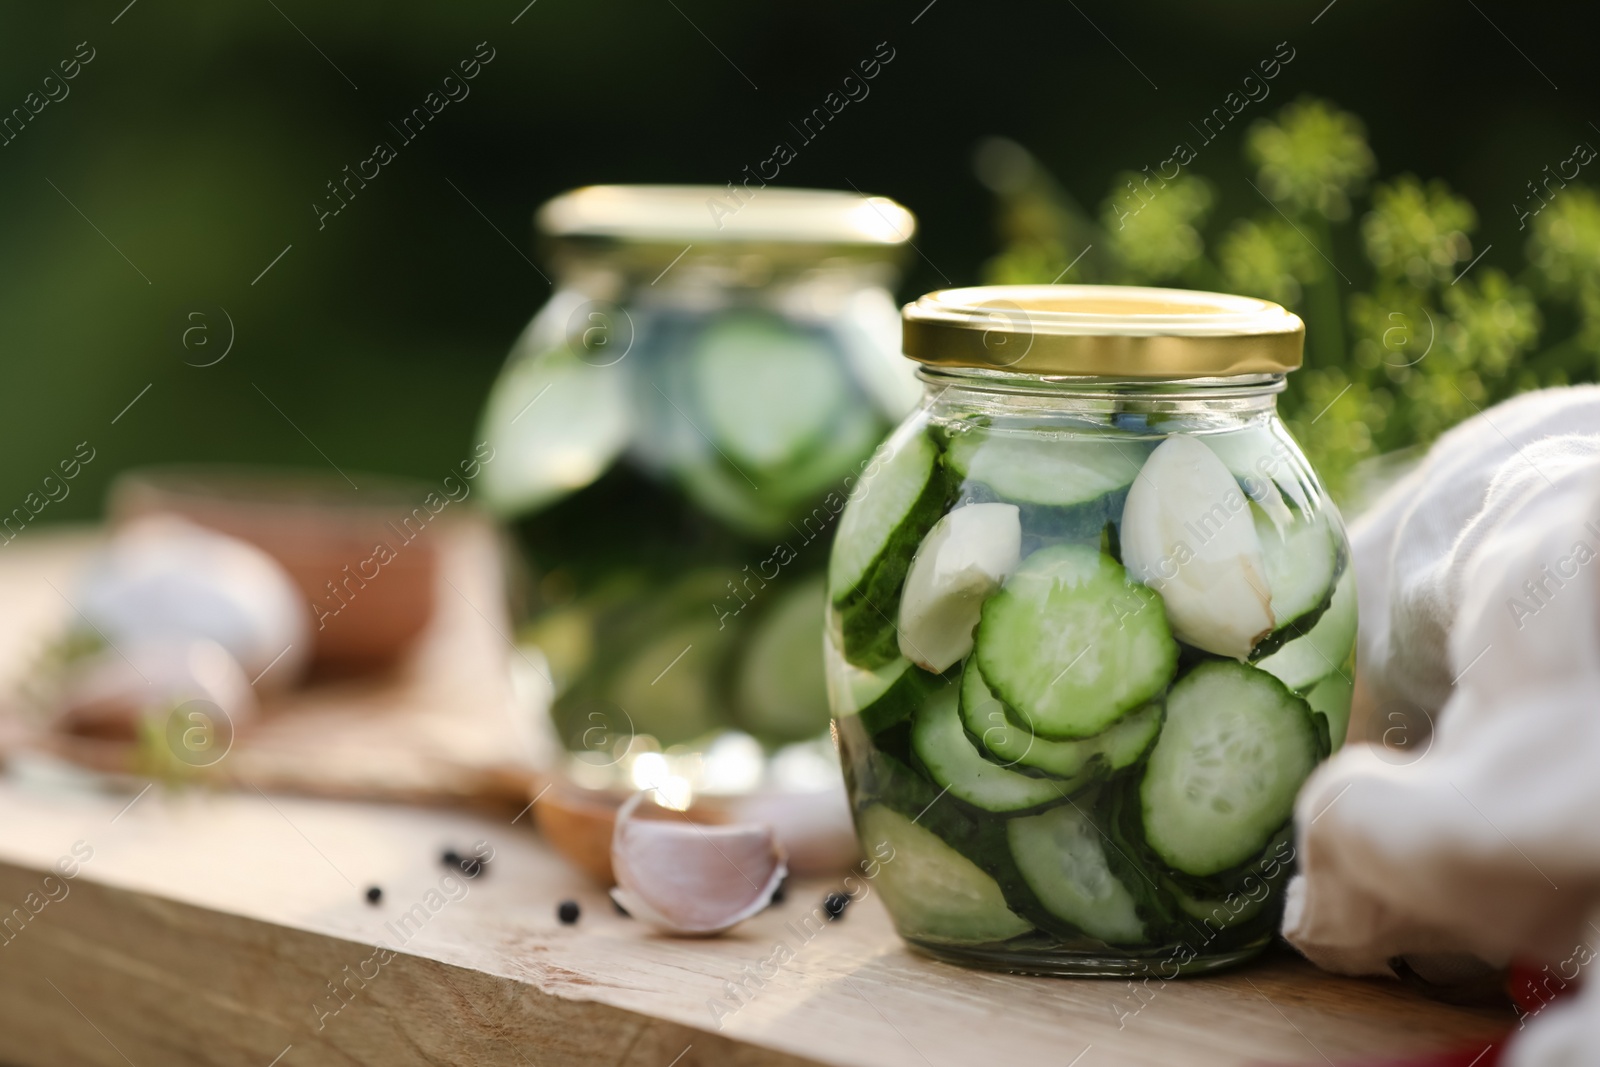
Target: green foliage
1154, 230
1401, 343
1312, 160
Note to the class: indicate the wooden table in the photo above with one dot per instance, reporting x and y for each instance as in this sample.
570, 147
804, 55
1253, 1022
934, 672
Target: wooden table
232, 927
212, 928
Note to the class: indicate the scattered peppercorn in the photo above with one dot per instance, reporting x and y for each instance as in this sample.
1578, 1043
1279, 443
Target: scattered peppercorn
471, 866
782, 891
567, 911
374, 894
834, 904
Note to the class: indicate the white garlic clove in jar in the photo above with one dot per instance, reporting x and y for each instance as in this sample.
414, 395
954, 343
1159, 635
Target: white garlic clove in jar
962, 561
692, 879
1188, 534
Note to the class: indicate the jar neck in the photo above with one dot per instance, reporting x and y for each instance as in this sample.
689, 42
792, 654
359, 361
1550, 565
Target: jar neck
973, 389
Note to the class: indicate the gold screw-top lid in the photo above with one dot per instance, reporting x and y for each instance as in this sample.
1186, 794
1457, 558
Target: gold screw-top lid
759, 215
1103, 331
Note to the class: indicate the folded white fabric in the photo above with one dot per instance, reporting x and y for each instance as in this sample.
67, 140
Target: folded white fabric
1479, 585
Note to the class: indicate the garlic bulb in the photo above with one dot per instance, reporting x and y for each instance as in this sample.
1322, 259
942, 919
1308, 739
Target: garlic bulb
1187, 533
165, 579
686, 878
110, 695
965, 558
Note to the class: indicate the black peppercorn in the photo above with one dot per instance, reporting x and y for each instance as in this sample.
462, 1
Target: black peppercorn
834, 904
374, 894
567, 911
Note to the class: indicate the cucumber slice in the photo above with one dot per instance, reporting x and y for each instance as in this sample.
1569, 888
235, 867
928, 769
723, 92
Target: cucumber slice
1187, 531
880, 506
769, 389
1058, 472
959, 565
890, 511
1079, 762
942, 744
1063, 860
1072, 645
1222, 778
881, 698
1323, 650
1302, 561
933, 892
565, 442
1231, 901
1269, 468
781, 687
1331, 698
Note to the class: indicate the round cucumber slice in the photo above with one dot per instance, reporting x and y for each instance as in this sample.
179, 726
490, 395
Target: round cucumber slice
1223, 776
933, 892
1079, 762
1326, 648
1331, 696
1071, 645
781, 690
1063, 860
944, 748
1059, 472
1302, 560
881, 504
768, 389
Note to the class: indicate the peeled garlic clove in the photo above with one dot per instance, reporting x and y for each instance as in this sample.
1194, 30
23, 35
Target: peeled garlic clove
962, 561
165, 579
685, 878
1188, 534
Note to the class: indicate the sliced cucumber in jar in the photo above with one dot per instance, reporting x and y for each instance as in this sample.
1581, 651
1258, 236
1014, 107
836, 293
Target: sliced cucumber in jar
1322, 650
960, 564
769, 389
1303, 560
881, 698
1269, 469
1234, 751
890, 511
1071, 645
944, 749
781, 688
1062, 858
1187, 532
1060, 473
933, 892
1330, 698
1079, 763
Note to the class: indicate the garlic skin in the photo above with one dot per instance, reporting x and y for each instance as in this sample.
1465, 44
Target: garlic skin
690, 879
962, 562
1188, 534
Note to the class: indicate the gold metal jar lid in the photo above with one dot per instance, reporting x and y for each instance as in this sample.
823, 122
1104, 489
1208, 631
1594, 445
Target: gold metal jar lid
758, 215
1109, 331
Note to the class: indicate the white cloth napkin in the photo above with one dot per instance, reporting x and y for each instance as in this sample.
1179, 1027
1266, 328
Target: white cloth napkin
1479, 586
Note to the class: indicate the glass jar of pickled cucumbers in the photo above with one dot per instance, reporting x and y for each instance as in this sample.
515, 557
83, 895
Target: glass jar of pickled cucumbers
1091, 624
674, 436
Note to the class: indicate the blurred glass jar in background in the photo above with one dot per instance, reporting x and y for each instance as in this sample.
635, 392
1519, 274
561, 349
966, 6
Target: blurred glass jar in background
675, 435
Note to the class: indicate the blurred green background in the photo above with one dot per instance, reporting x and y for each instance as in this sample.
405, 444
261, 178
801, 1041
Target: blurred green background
199, 136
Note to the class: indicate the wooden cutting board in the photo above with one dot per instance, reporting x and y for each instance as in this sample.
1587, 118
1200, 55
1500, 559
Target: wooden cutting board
447, 724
